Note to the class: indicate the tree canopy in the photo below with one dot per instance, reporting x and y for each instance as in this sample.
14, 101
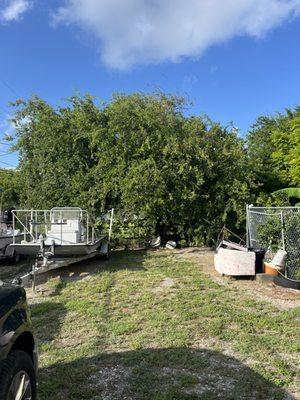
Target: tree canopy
178, 175
10, 187
274, 150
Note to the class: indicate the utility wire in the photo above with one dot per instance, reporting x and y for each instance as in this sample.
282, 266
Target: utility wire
5, 163
9, 87
7, 153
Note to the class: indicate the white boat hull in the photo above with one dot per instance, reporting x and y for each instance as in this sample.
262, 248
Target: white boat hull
64, 250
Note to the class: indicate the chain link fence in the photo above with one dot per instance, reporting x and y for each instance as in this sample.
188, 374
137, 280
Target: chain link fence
276, 228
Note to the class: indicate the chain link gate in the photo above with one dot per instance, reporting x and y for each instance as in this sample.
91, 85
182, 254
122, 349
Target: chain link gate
276, 228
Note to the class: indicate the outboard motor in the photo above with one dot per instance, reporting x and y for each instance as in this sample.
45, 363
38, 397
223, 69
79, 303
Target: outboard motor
7, 216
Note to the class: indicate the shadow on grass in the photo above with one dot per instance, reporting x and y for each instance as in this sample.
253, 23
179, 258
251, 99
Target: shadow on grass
142, 374
156, 374
119, 260
47, 318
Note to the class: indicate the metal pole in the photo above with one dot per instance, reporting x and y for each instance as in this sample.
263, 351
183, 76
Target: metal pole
282, 230
87, 228
36, 227
33, 277
282, 237
31, 226
110, 224
45, 222
14, 238
60, 227
1, 202
247, 227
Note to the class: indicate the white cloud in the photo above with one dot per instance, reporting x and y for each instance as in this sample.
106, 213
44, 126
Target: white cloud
14, 10
151, 31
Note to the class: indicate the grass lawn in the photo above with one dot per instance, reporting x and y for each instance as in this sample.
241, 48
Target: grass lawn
152, 325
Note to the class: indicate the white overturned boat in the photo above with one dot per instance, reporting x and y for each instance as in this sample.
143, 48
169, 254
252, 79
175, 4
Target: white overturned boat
58, 237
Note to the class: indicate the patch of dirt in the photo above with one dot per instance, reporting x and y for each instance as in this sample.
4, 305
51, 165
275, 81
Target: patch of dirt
111, 382
220, 378
206, 381
166, 288
279, 297
168, 282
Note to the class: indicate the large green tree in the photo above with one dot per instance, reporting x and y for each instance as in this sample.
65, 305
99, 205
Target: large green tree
174, 175
274, 152
287, 154
55, 150
10, 186
185, 176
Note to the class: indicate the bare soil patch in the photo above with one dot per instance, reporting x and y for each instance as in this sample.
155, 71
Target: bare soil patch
279, 297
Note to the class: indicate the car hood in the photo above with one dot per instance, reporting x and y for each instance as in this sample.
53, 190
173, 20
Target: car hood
9, 297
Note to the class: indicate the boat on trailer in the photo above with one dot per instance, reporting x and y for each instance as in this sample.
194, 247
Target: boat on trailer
57, 238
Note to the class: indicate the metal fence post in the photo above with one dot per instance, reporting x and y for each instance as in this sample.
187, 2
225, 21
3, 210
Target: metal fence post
282, 230
87, 228
36, 226
61, 234
283, 238
13, 228
247, 227
110, 224
30, 224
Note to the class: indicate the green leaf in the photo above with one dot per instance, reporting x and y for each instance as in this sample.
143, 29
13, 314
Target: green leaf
290, 192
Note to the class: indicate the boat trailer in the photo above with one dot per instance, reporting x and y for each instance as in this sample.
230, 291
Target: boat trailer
66, 242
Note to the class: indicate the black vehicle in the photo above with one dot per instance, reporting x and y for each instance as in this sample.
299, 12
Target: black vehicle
18, 353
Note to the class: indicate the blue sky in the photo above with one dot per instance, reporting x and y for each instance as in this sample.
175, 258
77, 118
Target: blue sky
234, 59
